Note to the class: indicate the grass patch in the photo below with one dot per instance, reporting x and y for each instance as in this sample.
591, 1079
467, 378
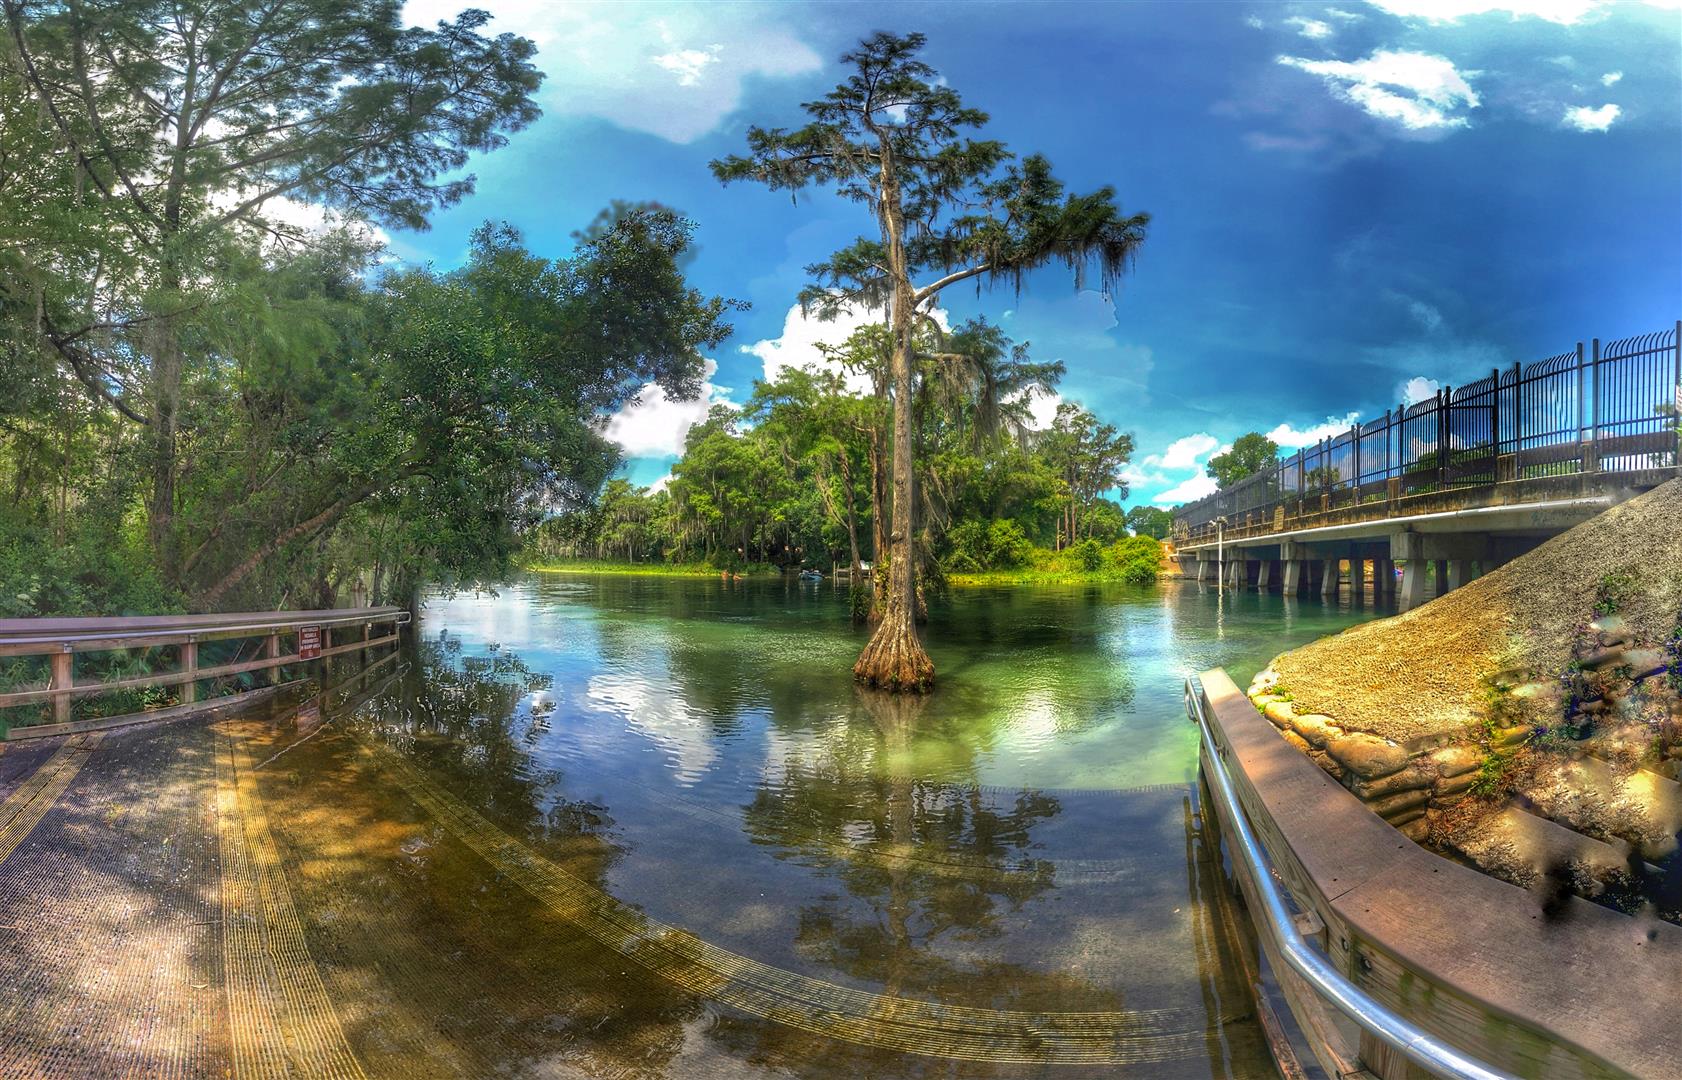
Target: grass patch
648, 569
1034, 576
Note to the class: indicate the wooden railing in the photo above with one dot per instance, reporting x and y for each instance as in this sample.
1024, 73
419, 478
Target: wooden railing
285, 637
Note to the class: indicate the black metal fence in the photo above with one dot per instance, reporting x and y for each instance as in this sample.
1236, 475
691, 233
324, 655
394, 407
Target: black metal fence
1612, 408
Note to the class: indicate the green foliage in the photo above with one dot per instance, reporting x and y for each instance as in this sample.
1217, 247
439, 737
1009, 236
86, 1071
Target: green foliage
95, 572
789, 479
1150, 521
987, 545
1615, 589
1323, 476
1137, 559
1500, 710
1090, 555
1250, 454
966, 203
858, 601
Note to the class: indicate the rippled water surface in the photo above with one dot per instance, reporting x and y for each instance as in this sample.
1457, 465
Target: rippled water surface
649, 826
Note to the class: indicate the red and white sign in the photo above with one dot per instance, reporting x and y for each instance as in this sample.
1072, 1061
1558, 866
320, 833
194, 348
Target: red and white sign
309, 642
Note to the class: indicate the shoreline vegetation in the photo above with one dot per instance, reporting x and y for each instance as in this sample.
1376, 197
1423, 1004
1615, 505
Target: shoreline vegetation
1135, 560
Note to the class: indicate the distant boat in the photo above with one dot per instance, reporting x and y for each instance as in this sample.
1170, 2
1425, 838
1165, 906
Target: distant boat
810, 575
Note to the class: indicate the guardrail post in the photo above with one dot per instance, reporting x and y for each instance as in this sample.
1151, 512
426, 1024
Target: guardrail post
64, 678
271, 651
189, 665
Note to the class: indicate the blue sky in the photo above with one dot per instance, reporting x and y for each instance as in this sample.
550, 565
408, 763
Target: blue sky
1351, 202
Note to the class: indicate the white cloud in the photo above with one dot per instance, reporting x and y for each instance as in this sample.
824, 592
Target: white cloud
1180, 465
688, 64
1195, 487
802, 333
658, 68
1346, 16
1426, 315
1310, 28
1417, 90
1417, 389
1563, 12
655, 425
1253, 23
1189, 452
1291, 438
1584, 118
1611, 78
301, 222
1042, 408
661, 484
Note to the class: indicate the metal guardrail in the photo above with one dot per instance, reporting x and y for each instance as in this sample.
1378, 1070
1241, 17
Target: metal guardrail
62, 640
1313, 966
1612, 408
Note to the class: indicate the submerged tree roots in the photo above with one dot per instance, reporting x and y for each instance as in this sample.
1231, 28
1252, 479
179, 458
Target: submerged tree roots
894, 659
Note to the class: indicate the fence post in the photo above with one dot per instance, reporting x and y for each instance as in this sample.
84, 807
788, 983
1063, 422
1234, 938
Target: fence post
63, 679
1676, 401
1494, 418
1518, 406
189, 665
1443, 397
1355, 459
1594, 402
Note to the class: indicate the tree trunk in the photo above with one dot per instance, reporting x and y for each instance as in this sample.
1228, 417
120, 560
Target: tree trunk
164, 394
852, 519
878, 511
302, 530
894, 659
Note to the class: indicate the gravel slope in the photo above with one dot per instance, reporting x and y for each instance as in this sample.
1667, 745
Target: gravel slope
1422, 673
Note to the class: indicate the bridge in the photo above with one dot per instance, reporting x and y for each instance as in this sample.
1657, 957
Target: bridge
1452, 486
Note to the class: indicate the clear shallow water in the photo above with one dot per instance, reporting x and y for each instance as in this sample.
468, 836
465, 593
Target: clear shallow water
1050, 687
650, 826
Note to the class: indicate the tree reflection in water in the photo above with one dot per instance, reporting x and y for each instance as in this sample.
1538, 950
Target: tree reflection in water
455, 970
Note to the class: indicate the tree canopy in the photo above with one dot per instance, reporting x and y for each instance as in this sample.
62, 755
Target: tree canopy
218, 395
1152, 521
947, 208
1249, 455
786, 481
172, 147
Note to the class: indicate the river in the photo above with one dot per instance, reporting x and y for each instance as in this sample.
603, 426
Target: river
649, 826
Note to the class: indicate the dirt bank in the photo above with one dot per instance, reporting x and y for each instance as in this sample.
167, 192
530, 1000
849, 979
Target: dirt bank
1427, 672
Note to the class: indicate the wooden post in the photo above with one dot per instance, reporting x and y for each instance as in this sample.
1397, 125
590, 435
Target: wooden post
271, 651
189, 664
63, 679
